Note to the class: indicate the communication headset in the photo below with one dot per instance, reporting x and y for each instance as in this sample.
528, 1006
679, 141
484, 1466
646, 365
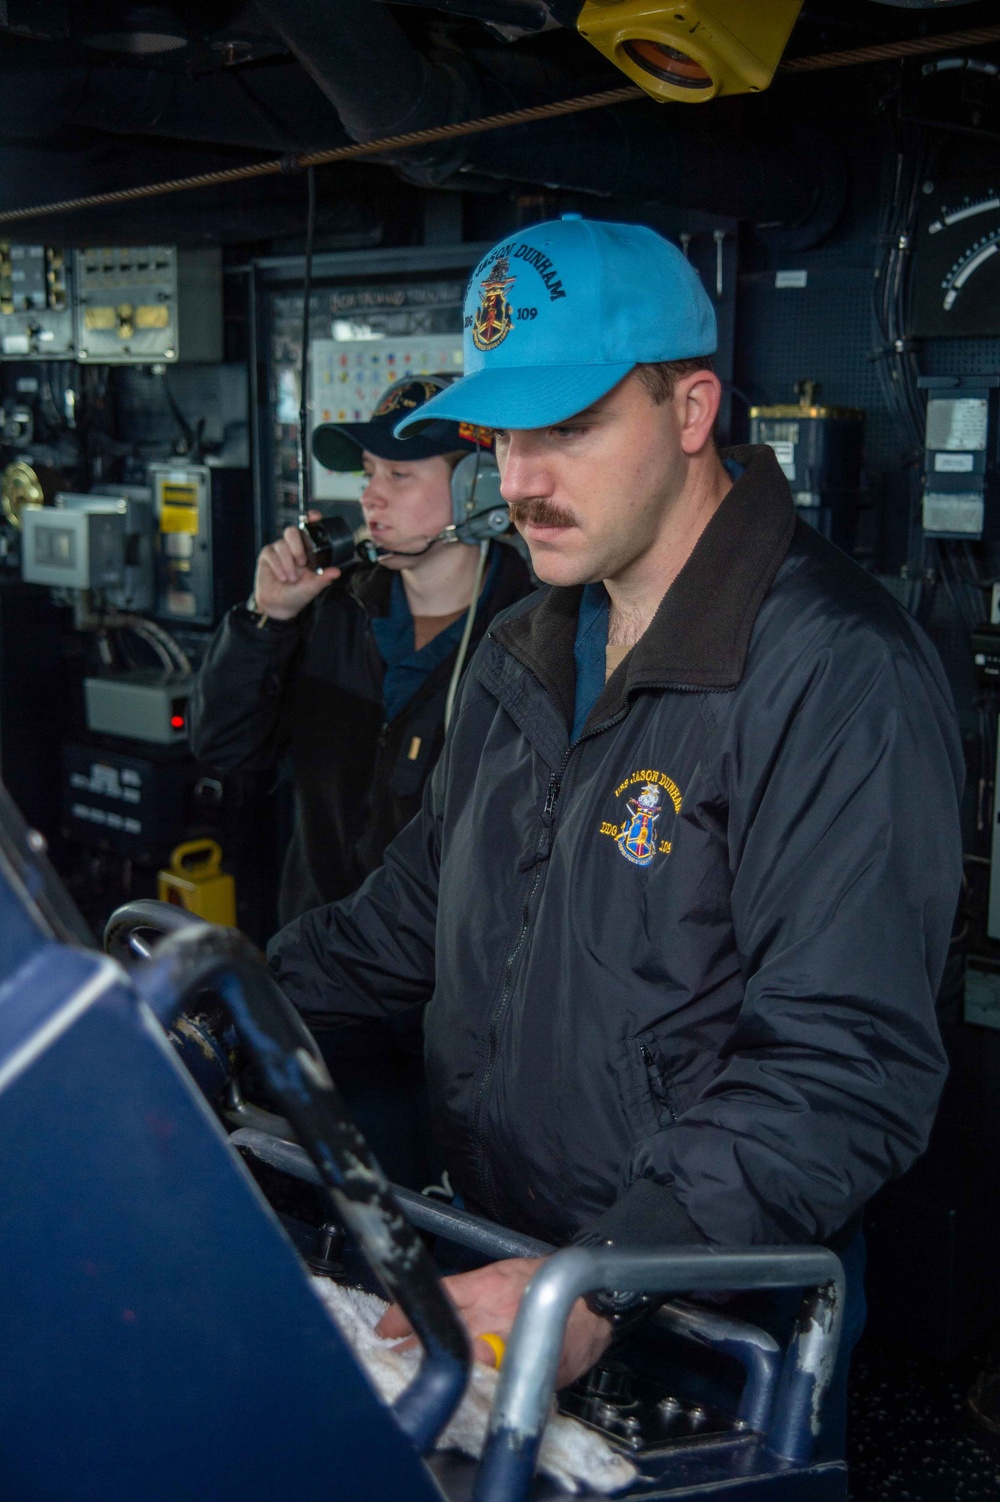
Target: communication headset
478, 511
478, 515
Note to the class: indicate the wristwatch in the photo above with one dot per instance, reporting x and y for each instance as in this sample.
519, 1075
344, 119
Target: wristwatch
252, 608
622, 1310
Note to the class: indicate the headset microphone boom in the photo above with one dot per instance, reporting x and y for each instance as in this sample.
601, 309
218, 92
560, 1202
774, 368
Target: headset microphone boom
479, 514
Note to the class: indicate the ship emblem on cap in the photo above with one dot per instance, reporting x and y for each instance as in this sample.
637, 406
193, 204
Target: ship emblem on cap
494, 318
406, 393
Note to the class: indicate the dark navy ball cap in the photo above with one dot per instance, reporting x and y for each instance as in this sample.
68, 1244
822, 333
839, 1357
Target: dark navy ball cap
339, 446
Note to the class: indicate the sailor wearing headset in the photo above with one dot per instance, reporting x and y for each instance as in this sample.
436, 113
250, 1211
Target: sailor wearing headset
349, 673
679, 897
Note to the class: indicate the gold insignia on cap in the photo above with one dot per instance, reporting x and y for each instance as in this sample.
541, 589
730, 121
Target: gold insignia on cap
402, 395
494, 317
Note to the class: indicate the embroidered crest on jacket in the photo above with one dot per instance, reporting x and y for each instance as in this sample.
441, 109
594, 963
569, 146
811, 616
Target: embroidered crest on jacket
639, 833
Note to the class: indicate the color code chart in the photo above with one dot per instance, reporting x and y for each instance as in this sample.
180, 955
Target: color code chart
349, 375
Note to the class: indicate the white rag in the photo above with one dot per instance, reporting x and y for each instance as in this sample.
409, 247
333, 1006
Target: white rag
570, 1453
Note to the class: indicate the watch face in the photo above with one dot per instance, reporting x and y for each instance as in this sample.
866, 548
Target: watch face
612, 1304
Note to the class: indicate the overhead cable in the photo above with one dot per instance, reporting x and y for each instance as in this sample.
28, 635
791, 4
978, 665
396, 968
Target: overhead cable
410, 140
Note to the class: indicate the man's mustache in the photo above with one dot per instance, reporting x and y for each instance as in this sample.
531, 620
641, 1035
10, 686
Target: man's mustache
539, 512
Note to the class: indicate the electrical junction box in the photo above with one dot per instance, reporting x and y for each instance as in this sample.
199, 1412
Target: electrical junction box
36, 302
960, 453
986, 654
982, 997
139, 706
204, 547
74, 549
136, 593
819, 449
148, 304
133, 806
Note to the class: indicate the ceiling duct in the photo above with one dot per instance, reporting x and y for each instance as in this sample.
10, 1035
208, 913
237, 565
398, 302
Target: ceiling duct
141, 31
272, 108
381, 85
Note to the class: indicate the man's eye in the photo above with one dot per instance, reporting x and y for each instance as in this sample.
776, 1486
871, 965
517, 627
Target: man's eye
569, 430
500, 435
400, 474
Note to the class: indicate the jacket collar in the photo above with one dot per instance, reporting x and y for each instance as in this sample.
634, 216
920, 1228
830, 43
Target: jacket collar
700, 634
371, 586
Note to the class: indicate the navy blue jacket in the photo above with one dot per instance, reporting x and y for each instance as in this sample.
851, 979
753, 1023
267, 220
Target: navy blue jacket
680, 975
313, 686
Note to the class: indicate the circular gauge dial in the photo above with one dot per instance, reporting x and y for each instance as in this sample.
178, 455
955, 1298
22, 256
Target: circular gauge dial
956, 267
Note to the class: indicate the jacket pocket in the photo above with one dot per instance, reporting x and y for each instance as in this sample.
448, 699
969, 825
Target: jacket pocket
658, 1086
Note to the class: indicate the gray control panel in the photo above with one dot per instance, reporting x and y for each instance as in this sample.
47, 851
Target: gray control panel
140, 706
74, 549
183, 518
36, 302
148, 304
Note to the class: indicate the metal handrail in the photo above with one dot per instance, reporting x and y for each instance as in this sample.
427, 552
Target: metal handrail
144, 915
757, 1352
528, 1374
461, 1226
197, 955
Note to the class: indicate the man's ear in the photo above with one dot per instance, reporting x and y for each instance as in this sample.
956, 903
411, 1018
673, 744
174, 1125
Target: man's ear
697, 397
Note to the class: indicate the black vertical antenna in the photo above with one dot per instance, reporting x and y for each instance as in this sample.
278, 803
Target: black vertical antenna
303, 440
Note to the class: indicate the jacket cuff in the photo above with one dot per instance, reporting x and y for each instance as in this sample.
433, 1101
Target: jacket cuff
264, 625
648, 1214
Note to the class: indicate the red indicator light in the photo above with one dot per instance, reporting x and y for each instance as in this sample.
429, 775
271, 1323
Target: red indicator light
177, 721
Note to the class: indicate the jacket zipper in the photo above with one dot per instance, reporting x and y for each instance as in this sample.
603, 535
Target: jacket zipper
499, 1011
485, 1175
657, 1085
383, 736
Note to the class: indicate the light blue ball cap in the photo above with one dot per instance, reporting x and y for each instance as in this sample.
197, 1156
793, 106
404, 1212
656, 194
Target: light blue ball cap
558, 314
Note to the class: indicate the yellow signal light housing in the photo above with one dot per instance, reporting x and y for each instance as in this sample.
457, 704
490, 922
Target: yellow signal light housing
691, 52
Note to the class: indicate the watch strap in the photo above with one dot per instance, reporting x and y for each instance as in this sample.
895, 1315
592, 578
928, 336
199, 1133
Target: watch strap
252, 608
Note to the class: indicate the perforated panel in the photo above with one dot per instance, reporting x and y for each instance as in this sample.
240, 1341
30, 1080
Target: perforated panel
822, 332
960, 356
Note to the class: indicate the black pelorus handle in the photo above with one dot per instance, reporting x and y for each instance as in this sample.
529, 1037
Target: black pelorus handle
200, 957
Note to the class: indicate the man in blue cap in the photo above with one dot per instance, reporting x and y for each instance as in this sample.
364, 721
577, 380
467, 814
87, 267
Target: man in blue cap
680, 893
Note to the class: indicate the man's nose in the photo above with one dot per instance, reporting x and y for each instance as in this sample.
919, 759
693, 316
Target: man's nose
523, 474
372, 496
